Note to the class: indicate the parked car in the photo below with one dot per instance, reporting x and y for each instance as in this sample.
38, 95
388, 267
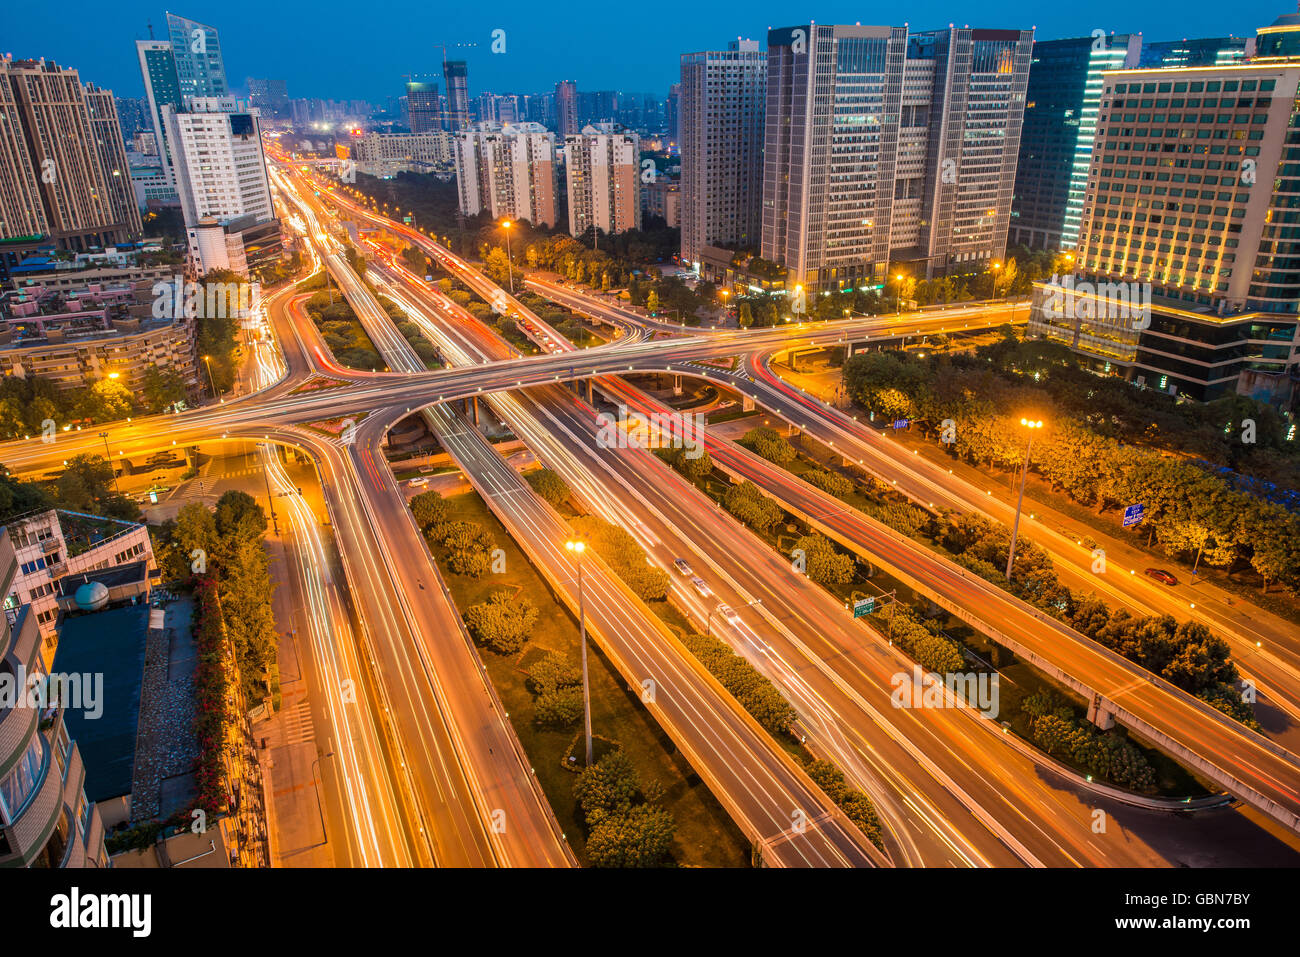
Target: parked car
701, 586
1160, 575
419, 480
683, 566
730, 614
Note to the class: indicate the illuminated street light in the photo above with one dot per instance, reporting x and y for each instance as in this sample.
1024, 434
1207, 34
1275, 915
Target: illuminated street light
506, 224
578, 546
1030, 427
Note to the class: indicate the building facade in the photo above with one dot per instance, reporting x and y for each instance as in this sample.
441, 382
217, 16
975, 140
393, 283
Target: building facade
386, 154
1064, 90
423, 107
74, 188
566, 108
722, 99
884, 145
196, 47
508, 173
455, 74
602, 167
1193, 203
46, 819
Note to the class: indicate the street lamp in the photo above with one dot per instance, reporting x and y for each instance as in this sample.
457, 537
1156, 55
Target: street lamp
1030, 426
996, 267
207, 361
108, 456
578, 546
898, 289
506, 224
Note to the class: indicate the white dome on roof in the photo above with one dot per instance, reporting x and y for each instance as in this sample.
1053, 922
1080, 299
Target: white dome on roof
92, 596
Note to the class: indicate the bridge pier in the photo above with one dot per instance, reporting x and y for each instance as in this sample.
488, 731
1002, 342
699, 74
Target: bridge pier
746, 403
1099, 715
677, 384
591, 391
475, 406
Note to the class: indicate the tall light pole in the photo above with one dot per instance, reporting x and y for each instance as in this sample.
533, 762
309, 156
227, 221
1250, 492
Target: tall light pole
207, 361
109, 458
506, 224
270, 501
898, 290
1030, 426
996, 267
577, 546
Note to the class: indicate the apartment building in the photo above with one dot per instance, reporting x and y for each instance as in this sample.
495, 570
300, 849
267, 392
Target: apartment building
566, 108
386, 154
721, 102
1193, 204
886, 145
46, 819
62, 168
508, 172
602, 166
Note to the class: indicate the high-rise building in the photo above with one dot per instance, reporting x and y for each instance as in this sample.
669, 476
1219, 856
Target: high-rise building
722, 97
46, 819
456, 75
603, 171
107, 132
508, 172
54, 179
423, 107
1204, 51
269, 97
386, 154
1191, 214
889, 146
1056, 139
196, 46
673, 113
566, 108
597, 106
133, 114
162, 88
225, 194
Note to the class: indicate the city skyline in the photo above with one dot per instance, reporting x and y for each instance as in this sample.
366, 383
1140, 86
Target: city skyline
539, 51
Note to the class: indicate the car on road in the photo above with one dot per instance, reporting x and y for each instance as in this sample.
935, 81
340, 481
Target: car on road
701, 586
1160, 575
419, 480
683, 566
730, 614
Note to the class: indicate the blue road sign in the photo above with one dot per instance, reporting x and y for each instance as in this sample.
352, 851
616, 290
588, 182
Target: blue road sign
1134, 514
901, 423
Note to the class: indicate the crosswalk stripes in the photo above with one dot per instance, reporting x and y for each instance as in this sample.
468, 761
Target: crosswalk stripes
297, 724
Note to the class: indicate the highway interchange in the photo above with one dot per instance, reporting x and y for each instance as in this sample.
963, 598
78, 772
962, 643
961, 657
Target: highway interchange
433, 773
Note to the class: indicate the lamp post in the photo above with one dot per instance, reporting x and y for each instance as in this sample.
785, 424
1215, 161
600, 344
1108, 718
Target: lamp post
270, 501
577, 546
207, 361
506, 224
108, 457
1030, 426
996, 267
898, 290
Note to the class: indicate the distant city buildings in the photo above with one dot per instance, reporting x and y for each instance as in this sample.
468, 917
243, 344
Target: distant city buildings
721, 98
889, 146
63, 172
423, 106
455, 74
508, 172
1188, 262
603, 173
663, 198
269, 97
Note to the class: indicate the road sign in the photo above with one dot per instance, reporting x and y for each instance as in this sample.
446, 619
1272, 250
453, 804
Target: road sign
901, 423
1134, 514
863, 607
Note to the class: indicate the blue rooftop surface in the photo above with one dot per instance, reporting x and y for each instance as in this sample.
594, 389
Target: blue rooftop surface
111, 643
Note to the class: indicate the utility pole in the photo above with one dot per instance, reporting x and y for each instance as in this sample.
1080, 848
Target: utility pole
578, 547
1024, 472
269, 500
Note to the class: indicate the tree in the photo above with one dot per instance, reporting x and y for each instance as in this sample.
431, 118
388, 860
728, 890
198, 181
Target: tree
107, 400
239, 518
639, 838
652, 302
194, 528
469, 547
693, 468
751, 506
769, 444
429, 509
824, 564
502, 622
549, 486
162, 388
607, 787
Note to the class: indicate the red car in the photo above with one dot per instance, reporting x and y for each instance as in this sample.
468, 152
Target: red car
1161, 575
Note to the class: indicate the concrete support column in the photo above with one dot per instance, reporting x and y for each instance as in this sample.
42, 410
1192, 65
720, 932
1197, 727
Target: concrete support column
475, 404
677, 384
746, 403
591, 391
1099, 715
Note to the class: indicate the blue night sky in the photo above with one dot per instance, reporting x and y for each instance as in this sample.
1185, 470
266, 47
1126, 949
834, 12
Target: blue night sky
362, 49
